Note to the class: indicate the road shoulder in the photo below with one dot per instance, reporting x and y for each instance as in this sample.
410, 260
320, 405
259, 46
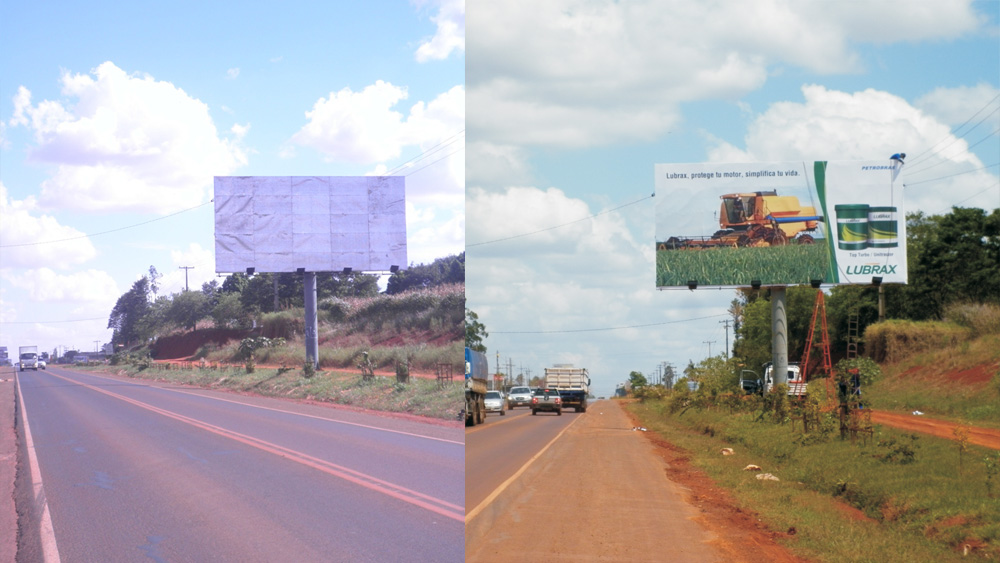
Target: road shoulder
8, 467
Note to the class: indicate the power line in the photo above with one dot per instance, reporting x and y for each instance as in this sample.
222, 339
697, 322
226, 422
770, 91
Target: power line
412, 172
106, 232
916, 158
908, 184
562, 225
52, 322
427, 153
944, 160
604, 328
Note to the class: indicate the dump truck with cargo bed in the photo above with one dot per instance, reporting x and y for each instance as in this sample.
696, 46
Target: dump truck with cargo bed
476, 368
573, 384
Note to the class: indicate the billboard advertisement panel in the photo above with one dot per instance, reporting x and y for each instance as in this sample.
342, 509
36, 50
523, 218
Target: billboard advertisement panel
319, 223
779, 223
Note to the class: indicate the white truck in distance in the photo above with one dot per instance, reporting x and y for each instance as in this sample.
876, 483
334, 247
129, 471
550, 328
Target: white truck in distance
28, 356
572, 383
796, 385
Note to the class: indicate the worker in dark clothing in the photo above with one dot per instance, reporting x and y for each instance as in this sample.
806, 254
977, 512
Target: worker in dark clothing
741, 212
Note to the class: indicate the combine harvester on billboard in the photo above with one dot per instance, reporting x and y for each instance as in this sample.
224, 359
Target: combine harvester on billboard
779, 223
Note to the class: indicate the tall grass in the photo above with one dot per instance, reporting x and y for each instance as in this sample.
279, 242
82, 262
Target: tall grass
420, 397
894, 340
793, 263
980, 318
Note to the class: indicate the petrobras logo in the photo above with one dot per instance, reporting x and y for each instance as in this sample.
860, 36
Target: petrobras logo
879, 167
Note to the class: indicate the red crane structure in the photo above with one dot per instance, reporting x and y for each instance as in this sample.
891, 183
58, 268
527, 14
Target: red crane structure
819, 310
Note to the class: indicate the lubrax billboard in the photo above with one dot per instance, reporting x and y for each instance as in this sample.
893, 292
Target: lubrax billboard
779, 223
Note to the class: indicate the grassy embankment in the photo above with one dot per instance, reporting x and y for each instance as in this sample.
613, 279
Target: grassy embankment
950, 370
423, 329
421, 397
892, 496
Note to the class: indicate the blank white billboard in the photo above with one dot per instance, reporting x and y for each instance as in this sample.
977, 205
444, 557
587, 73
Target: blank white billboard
319, 223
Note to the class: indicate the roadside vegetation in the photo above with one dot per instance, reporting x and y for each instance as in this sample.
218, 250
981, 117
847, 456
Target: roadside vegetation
420, 397
247, 334
889, 496
848, 489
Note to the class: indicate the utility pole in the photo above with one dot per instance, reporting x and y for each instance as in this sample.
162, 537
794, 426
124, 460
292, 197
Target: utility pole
274, 281
185, 268
97, 345
709, 342
726, 324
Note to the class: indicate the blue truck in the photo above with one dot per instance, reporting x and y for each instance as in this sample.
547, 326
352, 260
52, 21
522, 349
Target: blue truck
476, 375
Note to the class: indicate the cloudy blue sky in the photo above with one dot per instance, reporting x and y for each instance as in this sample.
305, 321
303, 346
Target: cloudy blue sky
572, 103
114, 118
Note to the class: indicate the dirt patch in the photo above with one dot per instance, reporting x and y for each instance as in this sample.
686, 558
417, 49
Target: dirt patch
853, 512
986, 437
742, 536
977, 375
186, 344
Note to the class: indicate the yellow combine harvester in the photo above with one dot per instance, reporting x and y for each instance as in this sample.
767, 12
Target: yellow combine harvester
755, 219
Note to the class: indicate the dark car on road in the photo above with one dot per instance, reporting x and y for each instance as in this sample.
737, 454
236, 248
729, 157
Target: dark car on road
546, 400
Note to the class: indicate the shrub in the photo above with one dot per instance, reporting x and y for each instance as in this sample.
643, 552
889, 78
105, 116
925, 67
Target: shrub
867, 369
894, 340
283, 324
981, 318
337, 310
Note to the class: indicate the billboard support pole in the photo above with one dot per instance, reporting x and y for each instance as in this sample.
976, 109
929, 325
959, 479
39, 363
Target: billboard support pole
779, 336
881, 303
312, 335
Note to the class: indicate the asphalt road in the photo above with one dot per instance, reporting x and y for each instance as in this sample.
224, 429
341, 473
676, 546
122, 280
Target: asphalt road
134, 471
497, 449
591, 489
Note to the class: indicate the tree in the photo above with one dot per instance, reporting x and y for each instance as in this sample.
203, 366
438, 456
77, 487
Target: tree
450, 269
952, 257
637, 380
154, 279
342, 285
475, 331
229, 312
212, 291
128, 316
235, 283
187, 308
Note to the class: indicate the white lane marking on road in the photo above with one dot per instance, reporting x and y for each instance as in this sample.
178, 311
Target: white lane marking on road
428, 502
50, 550
496, 492
293, 412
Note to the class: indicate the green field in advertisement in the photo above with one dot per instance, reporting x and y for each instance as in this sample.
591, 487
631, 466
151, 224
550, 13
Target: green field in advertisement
778, 223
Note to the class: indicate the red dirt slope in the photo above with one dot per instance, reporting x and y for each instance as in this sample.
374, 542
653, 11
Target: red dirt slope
184, 345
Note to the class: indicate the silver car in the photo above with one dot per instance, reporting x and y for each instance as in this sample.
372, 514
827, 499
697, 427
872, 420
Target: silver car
519, 397
495, 402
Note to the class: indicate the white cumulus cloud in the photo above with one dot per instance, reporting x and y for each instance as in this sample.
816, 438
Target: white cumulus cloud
450, 34
940, 171
365, 128
128, 143
578, 73
29, 238
87, 286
